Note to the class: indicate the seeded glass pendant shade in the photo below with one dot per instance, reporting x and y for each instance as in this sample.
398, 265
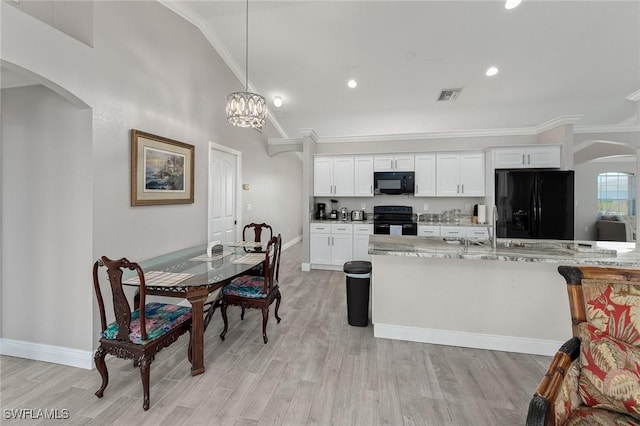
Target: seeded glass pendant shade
246, 109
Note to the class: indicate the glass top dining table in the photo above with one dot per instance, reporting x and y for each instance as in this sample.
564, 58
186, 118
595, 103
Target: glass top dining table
191, 274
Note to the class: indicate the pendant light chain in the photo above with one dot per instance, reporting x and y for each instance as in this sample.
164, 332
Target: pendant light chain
246, 51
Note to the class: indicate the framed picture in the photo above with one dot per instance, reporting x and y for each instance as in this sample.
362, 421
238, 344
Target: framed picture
161, 170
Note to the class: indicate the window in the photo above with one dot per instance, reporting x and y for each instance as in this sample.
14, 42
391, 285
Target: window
616, 194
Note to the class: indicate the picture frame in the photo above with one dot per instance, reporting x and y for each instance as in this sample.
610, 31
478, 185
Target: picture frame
162, 170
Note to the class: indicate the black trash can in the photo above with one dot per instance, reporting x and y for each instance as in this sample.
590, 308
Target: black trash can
358, 282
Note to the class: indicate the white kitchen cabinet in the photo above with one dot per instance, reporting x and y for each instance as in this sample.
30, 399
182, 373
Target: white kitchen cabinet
428, 230
460, 174
333, 176
543, 156
393, 162
477, 232
425, 176
331, 244
361, 241
453, 232
363, 175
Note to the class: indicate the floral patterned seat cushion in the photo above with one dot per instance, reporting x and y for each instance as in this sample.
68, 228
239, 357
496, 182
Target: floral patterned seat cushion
247, 286
590, 416
159, 318
610, 372
613, 309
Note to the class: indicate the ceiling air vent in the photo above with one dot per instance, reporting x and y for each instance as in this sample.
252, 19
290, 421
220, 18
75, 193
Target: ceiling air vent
449, 94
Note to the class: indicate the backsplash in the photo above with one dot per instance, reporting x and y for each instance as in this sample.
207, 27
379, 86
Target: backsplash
435, 204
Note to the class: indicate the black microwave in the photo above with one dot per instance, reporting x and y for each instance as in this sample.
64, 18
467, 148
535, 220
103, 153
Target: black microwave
393, 182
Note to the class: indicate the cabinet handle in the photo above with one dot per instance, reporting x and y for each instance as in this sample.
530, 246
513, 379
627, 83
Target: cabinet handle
463, 188
458, 189
528, 158
395, 166
417, 188
371, 186
328, 241
523, 159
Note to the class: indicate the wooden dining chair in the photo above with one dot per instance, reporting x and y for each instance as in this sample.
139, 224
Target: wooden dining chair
257, 228
256, 292
137, 335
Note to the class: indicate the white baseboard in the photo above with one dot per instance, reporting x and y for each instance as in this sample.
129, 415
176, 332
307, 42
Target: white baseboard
468, 340
292, 242
47, 353
306, 267
327, 267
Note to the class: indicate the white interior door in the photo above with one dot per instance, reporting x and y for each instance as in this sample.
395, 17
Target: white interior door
223, 182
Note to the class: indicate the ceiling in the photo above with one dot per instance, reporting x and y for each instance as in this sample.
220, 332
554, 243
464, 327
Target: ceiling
556, 58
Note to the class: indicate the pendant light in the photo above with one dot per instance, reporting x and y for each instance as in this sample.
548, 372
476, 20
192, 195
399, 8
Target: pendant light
246, 109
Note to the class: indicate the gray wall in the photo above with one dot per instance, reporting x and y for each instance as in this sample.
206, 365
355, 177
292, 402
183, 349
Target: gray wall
150, 70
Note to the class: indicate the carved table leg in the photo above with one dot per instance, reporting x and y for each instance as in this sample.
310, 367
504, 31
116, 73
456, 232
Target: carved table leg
197, 296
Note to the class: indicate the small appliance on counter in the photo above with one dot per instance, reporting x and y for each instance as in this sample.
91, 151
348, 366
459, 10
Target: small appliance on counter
334, 212
321, 211
344, 213
357, 215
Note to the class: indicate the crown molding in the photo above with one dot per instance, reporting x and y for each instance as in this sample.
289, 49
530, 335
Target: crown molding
614, 128
189, 15
634, 97
310, 133
558, 121
283, 141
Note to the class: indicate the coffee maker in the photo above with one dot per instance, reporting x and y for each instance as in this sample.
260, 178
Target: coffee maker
321, 211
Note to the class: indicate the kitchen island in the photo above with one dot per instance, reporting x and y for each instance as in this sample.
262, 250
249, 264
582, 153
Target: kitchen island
459, 293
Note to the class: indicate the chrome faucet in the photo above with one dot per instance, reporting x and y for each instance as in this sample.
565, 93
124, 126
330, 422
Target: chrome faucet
494, 240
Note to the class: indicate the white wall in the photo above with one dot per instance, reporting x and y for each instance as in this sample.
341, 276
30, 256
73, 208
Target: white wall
47, 219
586, 192
150, 70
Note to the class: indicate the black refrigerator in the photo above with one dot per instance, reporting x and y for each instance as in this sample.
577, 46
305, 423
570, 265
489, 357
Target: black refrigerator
535, 204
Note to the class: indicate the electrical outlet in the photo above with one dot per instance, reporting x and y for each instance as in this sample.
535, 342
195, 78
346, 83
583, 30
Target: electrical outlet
586, 229
426, 207
248, 206
364, 206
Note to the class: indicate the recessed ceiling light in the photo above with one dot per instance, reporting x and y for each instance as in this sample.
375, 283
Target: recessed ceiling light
352, 83
511, 4
277, 101
491, 71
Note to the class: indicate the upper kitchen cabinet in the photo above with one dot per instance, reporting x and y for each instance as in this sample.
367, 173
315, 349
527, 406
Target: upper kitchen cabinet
425, 177
460, 174
363, 174
393, 162
333, 176
542, 156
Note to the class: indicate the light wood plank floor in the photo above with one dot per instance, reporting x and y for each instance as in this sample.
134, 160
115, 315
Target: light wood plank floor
316, 369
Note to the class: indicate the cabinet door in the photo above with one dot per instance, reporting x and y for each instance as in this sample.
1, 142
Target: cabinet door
342, 248
508, 158
447, 172
472, 175
320, 248
404, 162
543, 156
383, 163
323, 176
361, 247
343, 179
363, 186
425, 165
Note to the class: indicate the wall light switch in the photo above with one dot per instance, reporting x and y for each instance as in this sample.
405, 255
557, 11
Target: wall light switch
248, 206
426, 207
245, 186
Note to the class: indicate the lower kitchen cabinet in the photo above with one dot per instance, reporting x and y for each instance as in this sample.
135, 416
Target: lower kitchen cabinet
361, 241
331, 243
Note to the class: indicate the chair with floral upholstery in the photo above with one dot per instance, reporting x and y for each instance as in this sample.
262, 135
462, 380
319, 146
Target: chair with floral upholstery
125, 338
257, 292
594, 379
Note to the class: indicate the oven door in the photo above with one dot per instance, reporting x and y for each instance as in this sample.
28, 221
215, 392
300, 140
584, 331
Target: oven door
385, 228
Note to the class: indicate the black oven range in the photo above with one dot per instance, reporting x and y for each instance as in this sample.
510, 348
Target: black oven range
394, 220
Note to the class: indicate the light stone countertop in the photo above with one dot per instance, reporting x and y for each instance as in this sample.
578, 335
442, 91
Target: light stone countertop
596, 253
